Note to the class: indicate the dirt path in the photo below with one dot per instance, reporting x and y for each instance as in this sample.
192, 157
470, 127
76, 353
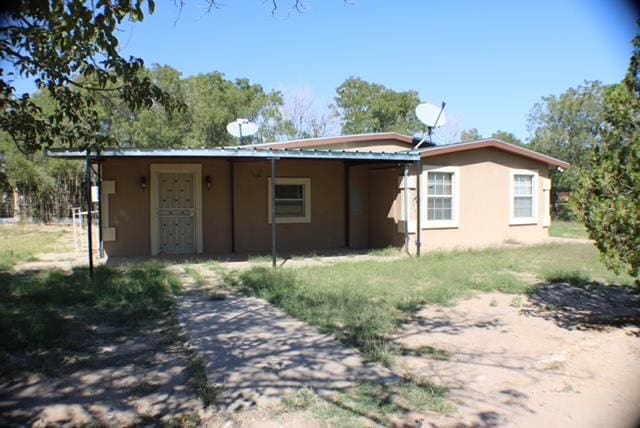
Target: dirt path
258, 354
567, 356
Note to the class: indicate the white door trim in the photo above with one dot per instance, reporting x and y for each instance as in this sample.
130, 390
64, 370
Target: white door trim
156, 169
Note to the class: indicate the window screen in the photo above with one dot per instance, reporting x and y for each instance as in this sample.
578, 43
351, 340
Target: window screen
440, 196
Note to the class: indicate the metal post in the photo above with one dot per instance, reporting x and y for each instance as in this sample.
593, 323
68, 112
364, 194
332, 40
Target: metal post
89, 223
273, 212
406, 208
418, 172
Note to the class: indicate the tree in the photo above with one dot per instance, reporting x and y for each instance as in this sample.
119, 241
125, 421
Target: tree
608, 196
566, 127
507, 137
369, 107
470, 135
70, 51
302, 118
215, 101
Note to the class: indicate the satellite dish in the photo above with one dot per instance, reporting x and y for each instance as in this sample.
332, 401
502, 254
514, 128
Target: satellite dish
431, 114
242, 128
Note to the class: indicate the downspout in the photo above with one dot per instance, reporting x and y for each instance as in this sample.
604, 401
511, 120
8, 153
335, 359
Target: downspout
418, 171
406, 209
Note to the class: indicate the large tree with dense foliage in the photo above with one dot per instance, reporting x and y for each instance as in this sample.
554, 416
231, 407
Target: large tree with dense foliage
370, 107
507, 137
70, 51
470, 135
566, 127
608, 197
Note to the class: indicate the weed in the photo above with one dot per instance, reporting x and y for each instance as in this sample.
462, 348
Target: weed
207, 392
300, 400
573, 277
196, 276
517, 302
427, 351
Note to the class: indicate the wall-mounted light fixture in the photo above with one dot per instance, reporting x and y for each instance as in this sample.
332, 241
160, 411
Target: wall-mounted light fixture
143, 182
207, 181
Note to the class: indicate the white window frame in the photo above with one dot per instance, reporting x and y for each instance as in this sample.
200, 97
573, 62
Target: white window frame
455, 197
534, 203
306, 183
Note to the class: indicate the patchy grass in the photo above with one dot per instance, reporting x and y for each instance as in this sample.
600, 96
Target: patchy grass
568, 229
196, 276
21, 243
360, 303
205, 390
387, 252
385, 405
50, 315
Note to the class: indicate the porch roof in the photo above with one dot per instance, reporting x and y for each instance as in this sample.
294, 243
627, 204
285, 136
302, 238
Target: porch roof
243, 153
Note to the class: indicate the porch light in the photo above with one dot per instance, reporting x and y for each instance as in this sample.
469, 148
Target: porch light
143, 182
207, 181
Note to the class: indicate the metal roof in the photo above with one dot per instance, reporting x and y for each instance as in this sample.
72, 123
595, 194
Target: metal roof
491, 142
326, 141
243, 152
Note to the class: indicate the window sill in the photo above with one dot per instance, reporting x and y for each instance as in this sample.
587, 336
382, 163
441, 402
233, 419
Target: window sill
292, 220
441, 225
523, 222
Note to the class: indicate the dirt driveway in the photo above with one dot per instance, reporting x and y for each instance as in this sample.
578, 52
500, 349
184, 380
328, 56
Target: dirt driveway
567, 356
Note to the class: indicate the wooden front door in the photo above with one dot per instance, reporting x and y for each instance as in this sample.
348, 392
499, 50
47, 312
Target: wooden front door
176, 213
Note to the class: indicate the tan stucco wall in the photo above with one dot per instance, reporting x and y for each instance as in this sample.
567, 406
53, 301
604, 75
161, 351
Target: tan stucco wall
485, 180
359, 207
129, 206
484, 205
327, 227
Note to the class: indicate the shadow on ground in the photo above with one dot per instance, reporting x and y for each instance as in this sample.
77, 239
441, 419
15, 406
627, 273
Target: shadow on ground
261, 355
70, 353
586, 305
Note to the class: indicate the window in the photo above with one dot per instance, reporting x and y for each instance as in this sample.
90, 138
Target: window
523, 197
292, 199
440, 209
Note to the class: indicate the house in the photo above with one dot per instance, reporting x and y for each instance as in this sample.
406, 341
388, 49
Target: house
354, 192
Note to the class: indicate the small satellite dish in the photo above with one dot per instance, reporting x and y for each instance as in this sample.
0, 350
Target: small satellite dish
431, 114
242, 128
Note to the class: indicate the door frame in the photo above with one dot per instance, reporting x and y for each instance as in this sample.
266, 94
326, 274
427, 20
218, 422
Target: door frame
154, 186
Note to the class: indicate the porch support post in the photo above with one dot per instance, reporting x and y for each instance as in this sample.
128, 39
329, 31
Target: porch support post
406, 208
273, 212
87, 178
418, 172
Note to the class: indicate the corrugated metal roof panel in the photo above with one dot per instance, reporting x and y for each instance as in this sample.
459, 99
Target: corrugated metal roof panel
240, 152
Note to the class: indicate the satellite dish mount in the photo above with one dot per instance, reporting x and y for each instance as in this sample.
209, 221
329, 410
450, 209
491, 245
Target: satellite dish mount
432, 116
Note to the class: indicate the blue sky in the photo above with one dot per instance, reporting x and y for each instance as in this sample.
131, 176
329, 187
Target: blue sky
489, 60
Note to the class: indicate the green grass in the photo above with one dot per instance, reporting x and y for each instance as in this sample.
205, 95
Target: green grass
53, 312
568, 229
21, 243
360, 303
385, 405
